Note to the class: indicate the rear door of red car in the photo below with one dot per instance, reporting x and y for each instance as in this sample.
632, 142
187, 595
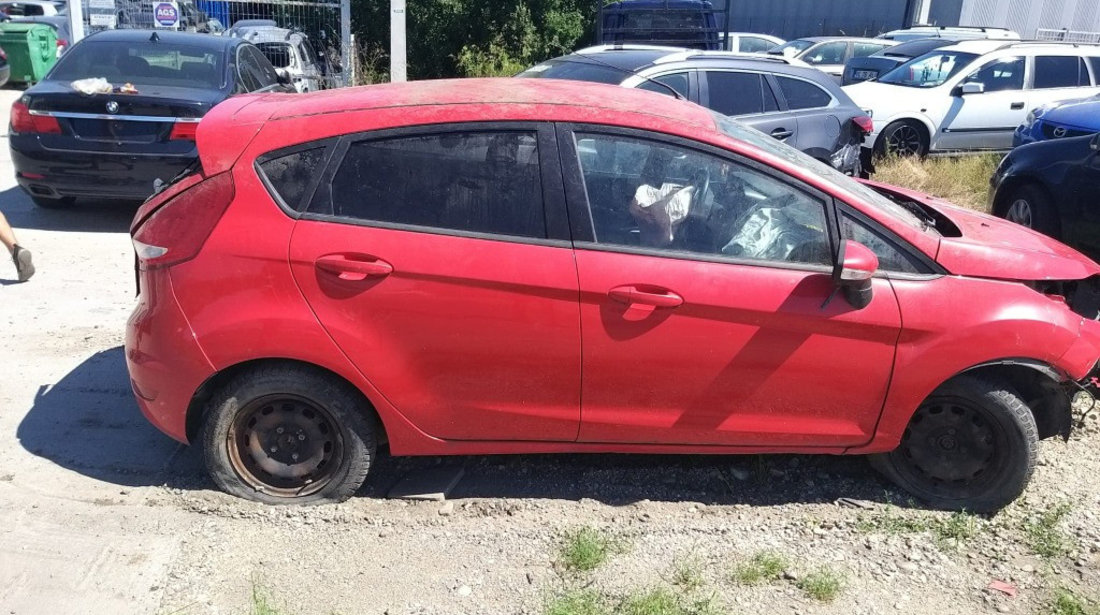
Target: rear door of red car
438, 260
721, 327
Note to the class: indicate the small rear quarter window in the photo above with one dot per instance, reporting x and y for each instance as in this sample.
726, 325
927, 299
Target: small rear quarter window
288, 176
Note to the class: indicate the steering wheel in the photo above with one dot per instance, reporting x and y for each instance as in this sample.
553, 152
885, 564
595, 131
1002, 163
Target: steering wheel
700, 181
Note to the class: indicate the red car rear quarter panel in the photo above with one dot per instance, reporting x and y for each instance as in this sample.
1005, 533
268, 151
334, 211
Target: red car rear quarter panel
951, 324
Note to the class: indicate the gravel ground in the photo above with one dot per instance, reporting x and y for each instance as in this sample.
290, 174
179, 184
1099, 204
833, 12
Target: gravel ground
100, 513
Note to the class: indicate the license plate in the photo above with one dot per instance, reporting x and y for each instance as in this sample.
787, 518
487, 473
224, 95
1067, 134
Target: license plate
865, 74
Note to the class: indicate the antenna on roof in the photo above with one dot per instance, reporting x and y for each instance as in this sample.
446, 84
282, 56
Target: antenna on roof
154, 37
666, 86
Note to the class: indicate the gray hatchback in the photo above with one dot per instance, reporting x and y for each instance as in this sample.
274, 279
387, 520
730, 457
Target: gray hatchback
801, 106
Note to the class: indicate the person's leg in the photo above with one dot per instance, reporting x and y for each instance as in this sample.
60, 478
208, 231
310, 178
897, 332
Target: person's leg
21, 256
7, 236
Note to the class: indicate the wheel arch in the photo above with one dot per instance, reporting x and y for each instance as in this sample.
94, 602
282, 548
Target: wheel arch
1039, 385
196, 408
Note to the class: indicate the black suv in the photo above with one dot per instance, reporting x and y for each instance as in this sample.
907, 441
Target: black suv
801, 106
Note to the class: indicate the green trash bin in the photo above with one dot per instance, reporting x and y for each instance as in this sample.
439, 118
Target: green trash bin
31, 49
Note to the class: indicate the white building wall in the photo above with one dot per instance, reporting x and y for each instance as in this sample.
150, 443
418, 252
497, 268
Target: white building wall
1028, 16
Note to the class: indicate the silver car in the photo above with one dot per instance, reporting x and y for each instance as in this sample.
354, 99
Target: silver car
289, 51
829, 53
800, 106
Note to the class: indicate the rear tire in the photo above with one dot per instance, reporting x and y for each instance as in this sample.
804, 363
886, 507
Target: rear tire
902, 138
972, 445
1029, 206
64, 202
288, 435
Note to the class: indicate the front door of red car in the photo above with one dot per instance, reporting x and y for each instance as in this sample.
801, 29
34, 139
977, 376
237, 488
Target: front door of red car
438, 261
707, 304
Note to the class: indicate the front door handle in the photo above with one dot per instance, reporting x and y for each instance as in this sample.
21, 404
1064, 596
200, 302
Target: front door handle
1016, 106
657, 297
781, 133
353, 268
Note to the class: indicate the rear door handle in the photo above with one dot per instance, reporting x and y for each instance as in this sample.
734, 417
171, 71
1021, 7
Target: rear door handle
353, 268
1016, 106
655, 297
781, 133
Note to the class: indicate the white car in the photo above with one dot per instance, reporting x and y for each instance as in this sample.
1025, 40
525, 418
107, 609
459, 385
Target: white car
289, 51
971, 95
749, 42
829, 53
955, 33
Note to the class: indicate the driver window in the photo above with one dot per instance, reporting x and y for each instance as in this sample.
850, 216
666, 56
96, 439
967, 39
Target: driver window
1000, 74
652, 195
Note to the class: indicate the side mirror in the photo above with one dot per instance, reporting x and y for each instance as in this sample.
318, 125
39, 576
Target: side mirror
1094, 143
972, 87
283, 76
855, 266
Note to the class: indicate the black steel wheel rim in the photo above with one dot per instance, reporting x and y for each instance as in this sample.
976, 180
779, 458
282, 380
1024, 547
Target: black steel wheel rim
904, 141
953, 448
285, 445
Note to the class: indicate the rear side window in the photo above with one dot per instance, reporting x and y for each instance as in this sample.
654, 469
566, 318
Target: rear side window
862, 50
733, 93
828, 53
289, 175
751, 44
1060, 72
803, 94
481, 182
676, 81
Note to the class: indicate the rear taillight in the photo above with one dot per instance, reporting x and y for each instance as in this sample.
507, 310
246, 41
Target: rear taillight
864, 123
177, 230
23, 121
184, 131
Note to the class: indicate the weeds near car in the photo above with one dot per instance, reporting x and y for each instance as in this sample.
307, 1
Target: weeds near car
585, 549
963, 180
764, 567
948, 533
1044, 534
1067, 603
822, 585
661, 601
579, 602
687, 573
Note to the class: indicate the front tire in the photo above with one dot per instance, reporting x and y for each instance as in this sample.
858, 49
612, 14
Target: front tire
972, 445
903, 138
1029, 206
288, 435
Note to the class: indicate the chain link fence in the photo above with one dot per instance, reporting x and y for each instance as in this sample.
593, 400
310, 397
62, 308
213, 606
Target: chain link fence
310, 39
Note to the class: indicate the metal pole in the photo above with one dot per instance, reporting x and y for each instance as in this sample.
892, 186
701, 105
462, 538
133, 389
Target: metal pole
346, 49
76, 20
397, 41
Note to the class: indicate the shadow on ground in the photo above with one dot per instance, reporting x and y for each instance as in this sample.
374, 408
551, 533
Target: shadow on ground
89, 423
83, 216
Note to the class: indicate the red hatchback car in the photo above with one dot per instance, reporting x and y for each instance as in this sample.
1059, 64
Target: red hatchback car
518, 266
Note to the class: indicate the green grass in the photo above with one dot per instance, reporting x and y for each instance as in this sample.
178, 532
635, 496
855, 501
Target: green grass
1045, 535
1065, 602
963, 180
764, 567
578, 602
662, 601
823, 585
948, 532
687, 573
586, 549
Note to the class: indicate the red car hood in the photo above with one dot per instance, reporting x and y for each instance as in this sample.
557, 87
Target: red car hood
989, 247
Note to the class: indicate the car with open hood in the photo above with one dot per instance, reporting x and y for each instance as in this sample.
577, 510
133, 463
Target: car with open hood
471, 267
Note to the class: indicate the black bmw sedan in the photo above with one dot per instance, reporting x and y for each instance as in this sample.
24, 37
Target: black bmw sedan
1052, 187
114, 137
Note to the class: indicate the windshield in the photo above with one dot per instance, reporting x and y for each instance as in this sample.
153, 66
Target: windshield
775, 147
791, 49
143, 63
929, 70
578, 70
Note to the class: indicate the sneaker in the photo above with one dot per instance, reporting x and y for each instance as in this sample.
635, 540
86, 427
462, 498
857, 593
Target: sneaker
23, 265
